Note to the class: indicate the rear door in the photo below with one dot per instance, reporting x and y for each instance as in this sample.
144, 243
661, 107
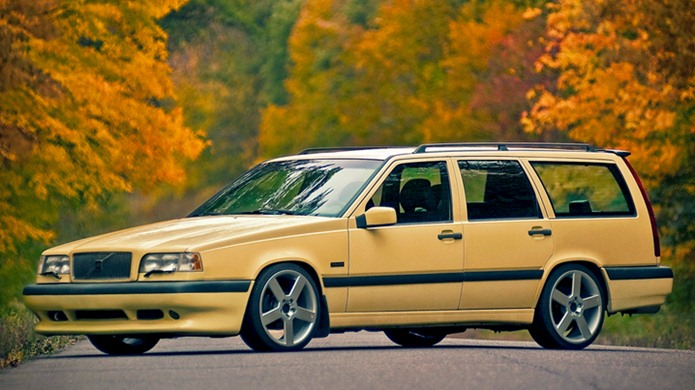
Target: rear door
507, 236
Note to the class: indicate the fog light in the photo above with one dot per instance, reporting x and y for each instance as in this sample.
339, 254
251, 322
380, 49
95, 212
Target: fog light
57, 316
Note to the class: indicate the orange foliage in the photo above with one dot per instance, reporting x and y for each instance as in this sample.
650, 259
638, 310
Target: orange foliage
85, 109
488, 66
622, 82
317, 85
419, 71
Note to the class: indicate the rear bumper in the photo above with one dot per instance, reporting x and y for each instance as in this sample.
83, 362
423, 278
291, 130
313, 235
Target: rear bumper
202, 308
637, 289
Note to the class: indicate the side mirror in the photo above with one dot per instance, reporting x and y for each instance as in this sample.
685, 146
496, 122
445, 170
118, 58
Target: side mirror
376, 216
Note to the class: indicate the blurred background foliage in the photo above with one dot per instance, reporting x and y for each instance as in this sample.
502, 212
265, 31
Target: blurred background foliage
119, 113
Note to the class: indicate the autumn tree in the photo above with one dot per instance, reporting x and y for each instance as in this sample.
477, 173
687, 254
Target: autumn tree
406, 72
491, 50
316, 84
86, 109
625, 78
229, 60
357, 74
399, 65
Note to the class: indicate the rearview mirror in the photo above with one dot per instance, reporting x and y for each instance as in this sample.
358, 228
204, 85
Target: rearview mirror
376, 216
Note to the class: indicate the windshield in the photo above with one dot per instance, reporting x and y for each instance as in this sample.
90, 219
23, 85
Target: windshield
300, 187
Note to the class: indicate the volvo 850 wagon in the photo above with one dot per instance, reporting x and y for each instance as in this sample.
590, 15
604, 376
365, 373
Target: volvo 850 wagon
415, 242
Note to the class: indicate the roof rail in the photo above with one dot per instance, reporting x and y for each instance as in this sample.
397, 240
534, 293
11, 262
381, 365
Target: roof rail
343, 149
504, 146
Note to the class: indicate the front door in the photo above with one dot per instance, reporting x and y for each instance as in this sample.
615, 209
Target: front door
415, 264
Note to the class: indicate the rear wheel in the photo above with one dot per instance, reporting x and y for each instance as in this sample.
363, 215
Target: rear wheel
283, 311
570, 311
123, 344
414, 337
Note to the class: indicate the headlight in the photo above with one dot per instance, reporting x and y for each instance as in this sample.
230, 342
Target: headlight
158, 263
54, 265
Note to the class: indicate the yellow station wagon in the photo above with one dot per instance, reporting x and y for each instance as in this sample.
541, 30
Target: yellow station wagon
415, 242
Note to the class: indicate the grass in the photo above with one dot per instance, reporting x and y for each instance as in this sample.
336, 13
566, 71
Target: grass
664, 330
18, 342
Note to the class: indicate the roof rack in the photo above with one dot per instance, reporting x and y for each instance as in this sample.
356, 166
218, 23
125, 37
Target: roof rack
343, 149
504, 146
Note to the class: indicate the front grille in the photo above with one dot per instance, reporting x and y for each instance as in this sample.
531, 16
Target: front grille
101, 265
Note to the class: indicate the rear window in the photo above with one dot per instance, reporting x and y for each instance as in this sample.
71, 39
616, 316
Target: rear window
585, 189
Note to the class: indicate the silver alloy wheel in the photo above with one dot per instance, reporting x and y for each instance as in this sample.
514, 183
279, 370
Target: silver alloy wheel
288, 308
576, 307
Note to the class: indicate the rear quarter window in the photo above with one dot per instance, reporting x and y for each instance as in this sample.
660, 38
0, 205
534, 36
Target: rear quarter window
585, 189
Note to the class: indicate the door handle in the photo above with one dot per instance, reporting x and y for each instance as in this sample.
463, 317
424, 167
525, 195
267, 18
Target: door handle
539, 230
446, 235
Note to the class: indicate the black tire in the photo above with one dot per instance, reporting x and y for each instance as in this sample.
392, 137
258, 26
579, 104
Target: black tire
123, 344
283, 311
414, 338
570, 311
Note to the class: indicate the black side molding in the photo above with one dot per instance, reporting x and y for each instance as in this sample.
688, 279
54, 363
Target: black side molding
651, 272
216, 286
452, 277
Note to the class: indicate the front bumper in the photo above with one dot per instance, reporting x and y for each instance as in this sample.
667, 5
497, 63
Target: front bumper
191, 308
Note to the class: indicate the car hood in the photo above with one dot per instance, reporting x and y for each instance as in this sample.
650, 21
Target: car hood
194, 234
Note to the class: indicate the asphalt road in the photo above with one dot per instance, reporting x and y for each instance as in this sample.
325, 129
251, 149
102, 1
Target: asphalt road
357, 361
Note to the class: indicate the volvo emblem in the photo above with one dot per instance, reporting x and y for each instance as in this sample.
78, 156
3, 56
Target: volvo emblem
99, 263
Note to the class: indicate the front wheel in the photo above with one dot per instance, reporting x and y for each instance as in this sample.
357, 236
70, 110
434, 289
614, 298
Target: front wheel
570, 311
283, 310
414, 338
123, 344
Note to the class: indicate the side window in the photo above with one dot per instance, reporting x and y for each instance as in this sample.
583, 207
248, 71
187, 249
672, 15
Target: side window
419, 192
497, 190
578, 189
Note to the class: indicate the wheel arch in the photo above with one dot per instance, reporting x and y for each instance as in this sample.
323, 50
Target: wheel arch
305, 265
323, 328
592, 265
553, 327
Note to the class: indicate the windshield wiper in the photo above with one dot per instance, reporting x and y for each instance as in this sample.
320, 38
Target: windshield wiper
254, 212
269, 212
158, 271
194, 215
51, 273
